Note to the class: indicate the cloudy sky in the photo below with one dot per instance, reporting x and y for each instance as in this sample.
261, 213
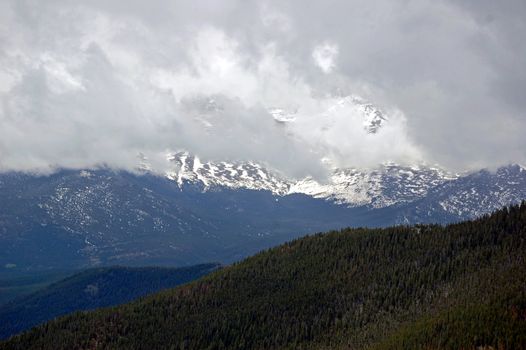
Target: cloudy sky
90, 83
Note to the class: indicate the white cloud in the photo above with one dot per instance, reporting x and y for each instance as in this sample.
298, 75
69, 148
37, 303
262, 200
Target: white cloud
325, 55
83, 84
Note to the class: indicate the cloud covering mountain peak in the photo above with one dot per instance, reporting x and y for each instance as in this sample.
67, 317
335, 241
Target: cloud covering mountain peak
88, 84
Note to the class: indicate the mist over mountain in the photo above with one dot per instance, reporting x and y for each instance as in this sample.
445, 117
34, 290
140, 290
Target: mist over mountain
356, 83
175, 133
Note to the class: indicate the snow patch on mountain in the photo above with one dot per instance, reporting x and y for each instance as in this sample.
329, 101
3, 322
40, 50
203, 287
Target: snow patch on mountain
482, 192
387, 185
187, 168
282, 116
377, 188
372, 117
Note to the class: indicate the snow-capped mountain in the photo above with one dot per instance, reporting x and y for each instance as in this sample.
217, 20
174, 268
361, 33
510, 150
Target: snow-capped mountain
187, 168
372, 117
470, 196
281, 115
463, 196
86, 218
386, 185
390, 184
203, 211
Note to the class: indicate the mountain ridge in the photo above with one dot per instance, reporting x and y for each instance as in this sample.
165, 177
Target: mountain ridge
91, 289
103, 217
384, 186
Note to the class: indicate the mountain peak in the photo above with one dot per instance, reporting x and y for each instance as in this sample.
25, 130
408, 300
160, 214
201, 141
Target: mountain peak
281, 115
372, 117
379, 187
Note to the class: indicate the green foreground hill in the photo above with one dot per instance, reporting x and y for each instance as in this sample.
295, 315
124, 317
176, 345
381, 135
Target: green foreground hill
431, 287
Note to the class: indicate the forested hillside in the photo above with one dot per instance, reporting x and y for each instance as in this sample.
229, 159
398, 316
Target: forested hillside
91, 289
428, 286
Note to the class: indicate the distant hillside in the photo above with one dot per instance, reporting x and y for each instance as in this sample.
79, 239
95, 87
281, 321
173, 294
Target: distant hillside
92, 289
18, 284
422, 287
70, 220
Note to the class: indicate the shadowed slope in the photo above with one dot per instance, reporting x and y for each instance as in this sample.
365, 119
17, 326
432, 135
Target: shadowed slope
92, 289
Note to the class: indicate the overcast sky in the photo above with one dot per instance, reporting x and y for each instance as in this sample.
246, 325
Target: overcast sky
99, 82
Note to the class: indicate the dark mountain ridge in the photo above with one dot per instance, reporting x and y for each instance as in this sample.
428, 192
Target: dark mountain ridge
91, 289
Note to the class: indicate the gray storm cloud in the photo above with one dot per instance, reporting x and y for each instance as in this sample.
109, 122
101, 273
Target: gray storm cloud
84, 84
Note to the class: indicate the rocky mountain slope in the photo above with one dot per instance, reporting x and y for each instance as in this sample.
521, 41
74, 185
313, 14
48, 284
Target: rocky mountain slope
462, 196
451, 196
202, 212
86, 218
469, 196
386, 185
